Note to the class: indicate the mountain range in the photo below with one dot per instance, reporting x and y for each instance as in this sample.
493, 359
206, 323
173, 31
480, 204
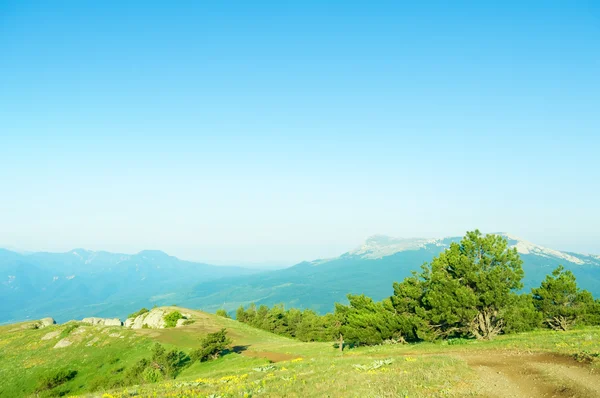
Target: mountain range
86, 283
94, 283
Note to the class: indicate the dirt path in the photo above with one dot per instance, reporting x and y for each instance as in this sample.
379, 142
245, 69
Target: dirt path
532, 375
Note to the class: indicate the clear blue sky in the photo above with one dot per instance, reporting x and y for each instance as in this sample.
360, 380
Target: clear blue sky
280, 131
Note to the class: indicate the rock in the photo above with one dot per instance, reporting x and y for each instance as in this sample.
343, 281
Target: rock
154, 320
63, 343
180, 322
103, 321
92, 342
51, 335
44, 322
114, 335
80, 330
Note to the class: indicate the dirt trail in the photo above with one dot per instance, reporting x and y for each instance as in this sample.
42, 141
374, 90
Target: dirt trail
531, 375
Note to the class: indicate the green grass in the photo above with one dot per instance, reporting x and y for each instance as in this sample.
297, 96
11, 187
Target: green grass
301, 369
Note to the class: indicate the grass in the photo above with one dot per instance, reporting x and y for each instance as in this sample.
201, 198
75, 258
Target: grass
299, 369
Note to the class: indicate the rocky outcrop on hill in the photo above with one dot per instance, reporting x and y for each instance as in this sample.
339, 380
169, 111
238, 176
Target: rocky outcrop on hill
44, 322
154, 319
51, 335
63, 343
103, 321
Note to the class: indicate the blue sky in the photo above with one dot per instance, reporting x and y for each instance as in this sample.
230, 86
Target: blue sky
280, 131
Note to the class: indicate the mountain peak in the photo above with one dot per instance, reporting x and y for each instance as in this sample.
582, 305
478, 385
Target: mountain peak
153, 254
378, 246
525, 247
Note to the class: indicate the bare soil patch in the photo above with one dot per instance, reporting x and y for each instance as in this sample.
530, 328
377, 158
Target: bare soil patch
524, 375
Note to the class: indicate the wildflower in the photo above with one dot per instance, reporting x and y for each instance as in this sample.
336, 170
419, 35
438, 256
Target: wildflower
299, 359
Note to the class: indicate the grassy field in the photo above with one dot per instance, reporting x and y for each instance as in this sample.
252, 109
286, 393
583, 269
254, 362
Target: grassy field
543, 363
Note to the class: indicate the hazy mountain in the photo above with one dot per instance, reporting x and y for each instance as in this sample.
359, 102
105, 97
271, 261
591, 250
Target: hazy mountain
371, 269
88, 283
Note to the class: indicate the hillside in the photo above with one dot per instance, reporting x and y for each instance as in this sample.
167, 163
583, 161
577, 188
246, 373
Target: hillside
87, 283
100, 354
263, 364
370, 269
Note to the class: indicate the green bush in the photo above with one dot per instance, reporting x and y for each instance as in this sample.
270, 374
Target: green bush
172, 318
136, 314
133, 375
152, 375
67, 331
212, 346
55, 379
223, 313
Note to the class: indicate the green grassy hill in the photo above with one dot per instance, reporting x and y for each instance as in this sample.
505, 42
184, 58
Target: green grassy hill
263, 364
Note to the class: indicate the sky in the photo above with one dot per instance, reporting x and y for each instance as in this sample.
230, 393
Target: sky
271, 132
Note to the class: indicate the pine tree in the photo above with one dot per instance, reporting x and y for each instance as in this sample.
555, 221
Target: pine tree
560, 300
463, 291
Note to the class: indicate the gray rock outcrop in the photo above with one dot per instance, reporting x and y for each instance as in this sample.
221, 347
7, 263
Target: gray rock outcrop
154, 319
45, 322
51, 335
63, 343
103, 321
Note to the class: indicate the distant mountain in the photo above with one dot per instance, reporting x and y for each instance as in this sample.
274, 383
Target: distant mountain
95, 283
371, 269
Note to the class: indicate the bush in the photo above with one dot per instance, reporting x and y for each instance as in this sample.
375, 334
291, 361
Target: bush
136, 314
223, 313
169, 363
521, 315
172, 318
152, 375
67, 331
212, 346
133, 375
55, 379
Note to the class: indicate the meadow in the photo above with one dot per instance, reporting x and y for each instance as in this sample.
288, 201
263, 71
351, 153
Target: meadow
539, 363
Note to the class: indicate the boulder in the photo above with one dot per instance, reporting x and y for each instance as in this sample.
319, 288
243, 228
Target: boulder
103, 321
154, 320
44, 322
51, 335
92, 342
180, 322
63, 343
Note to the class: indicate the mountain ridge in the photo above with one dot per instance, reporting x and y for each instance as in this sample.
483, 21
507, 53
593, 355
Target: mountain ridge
98, 283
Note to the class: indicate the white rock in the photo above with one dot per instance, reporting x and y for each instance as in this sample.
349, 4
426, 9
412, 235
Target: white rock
44, 322
154, 320
51, 335
103, 321
180, 322
92, 342
63, 343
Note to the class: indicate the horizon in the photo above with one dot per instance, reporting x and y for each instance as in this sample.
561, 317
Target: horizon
273, 132
274, 265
